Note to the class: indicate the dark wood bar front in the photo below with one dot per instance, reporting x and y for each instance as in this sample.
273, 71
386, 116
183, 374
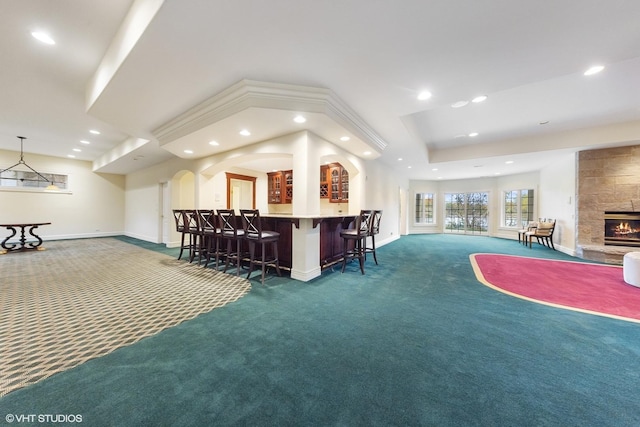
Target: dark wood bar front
315, 239
331, 244
284, 226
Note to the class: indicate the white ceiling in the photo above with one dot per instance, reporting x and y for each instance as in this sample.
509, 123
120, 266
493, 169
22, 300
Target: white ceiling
375, 56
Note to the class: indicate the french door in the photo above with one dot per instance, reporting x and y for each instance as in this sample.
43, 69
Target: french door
466, 213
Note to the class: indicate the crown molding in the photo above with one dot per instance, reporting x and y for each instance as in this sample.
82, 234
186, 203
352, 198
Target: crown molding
255, 94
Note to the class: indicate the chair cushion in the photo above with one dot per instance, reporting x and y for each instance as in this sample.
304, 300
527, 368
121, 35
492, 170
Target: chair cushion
266, 235
353, 233
545, 226
240, 233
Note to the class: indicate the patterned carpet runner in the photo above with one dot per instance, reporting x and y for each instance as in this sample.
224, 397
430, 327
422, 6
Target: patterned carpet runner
81, 299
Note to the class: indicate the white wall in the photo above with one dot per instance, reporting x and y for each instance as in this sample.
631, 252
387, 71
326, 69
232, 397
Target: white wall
94, 207
382, 191
557, 200
142, 209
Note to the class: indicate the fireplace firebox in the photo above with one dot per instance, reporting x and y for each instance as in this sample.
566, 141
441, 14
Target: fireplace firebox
622, 228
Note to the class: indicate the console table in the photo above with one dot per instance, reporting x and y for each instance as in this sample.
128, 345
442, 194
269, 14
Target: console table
23, 245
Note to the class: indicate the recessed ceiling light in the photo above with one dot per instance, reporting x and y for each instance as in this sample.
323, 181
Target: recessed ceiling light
425, 94
459, 104
544, 122
479, 98
408, 167
399, 159
473, 134
497, 173
594, 70
439, 177
95, 132
84, 141
460, 136
245, 132
43, 37
299, 119
188, 151
508, 162
71, 156
77, 150
214, 143
344, 138
434, 169
367, 153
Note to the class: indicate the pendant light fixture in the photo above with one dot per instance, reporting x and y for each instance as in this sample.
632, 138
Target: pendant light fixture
50, 187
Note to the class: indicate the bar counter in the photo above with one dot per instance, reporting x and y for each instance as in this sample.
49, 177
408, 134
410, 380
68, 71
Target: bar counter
308, 243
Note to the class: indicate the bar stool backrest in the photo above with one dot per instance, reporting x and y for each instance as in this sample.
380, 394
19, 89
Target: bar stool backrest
191, 220
251, 223
375, 222
228, 222
363, 222
179, 217
207, 220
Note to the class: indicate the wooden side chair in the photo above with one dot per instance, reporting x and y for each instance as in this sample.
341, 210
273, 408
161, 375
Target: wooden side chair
522, 233
543, 233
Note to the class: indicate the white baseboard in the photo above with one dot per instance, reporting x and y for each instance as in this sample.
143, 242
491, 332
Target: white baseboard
305, 276
150, 239
66, 236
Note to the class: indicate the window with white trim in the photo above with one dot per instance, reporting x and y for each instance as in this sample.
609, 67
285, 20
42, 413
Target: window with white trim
517, 208
466, 213
27, 179
424, 208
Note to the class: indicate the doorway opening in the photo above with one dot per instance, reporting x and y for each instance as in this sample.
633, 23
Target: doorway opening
241, 191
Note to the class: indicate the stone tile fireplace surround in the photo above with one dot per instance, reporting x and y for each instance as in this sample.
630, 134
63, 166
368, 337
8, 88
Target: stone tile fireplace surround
607, 180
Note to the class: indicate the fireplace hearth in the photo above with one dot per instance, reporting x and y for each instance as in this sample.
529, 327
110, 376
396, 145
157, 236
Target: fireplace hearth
622, 228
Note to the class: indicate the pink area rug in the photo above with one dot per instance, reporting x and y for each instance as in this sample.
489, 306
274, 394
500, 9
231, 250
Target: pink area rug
589, 288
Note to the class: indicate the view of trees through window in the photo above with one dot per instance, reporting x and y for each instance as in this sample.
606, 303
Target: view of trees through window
466, 213
518, 208
424, 208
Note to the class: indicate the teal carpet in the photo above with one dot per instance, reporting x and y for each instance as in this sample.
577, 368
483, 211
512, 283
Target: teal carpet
416, 341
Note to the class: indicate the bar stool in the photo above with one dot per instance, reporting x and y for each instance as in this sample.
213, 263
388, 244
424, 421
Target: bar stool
358, 235
191, 226
254, 234
373, 230
178, 215
227, 220
209, 236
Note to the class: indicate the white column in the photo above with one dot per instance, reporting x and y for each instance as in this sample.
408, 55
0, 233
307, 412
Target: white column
306, 251
306, 177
